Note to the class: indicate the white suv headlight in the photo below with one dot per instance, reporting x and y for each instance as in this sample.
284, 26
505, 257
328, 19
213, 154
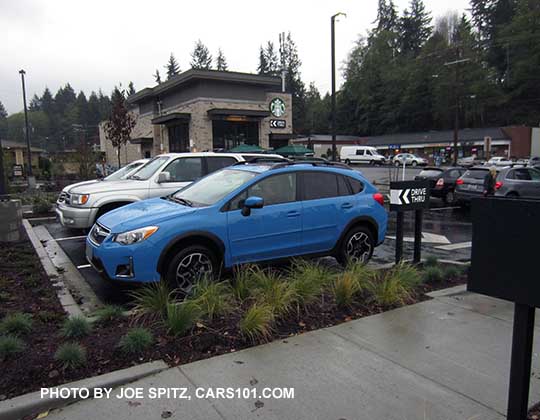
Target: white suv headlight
134, 236
79, 199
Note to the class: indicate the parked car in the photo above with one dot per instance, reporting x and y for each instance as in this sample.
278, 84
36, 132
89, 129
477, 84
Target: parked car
442, 181
408, 159
534, 162
470, 161
499, 161
80, 206
245, 213
518, 183
470, 184
361, 154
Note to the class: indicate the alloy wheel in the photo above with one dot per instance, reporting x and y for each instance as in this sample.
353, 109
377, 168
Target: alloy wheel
358, 247
192, 268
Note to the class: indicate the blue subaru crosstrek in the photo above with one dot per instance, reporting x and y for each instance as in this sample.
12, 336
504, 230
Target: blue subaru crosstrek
242, 214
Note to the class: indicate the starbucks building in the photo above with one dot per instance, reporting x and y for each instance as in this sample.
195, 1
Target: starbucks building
204, 110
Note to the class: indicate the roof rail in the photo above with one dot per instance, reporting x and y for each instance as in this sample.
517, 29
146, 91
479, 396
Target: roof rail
268, 160
313, 163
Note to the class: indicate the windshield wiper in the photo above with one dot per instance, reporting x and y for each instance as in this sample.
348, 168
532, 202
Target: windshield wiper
135, 177
180, 200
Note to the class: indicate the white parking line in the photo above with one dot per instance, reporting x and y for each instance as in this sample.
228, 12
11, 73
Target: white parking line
444, 208
70, 238
83, 266
451, 247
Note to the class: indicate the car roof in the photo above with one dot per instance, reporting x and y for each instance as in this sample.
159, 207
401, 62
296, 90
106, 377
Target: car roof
200, 154
294, 166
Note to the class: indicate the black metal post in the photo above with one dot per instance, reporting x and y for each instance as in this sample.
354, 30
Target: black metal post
520, 369
399, 236
333, 50
417, 236
26, 130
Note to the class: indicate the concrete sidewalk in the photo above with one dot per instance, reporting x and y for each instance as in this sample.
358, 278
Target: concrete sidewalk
447, 358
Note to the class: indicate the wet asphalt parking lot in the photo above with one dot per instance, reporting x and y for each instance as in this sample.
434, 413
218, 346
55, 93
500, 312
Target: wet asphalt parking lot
446, 234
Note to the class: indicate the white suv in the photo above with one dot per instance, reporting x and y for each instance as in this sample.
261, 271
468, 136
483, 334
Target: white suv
78, 206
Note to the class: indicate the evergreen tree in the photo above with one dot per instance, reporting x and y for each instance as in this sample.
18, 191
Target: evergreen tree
35, 103
3, 112
157, 77
130, 89
3, 121
221, 62
201, 57
387, 18
262, 68
273, 66
415, 28
173, 68
93, 110
293, 82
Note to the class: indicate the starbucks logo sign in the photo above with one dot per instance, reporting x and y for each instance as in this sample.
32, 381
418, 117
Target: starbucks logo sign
277, 107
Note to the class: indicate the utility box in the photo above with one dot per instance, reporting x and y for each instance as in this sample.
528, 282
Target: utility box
505, 250
11, 220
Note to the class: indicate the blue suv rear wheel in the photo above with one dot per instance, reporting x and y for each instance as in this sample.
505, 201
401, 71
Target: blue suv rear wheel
357, 246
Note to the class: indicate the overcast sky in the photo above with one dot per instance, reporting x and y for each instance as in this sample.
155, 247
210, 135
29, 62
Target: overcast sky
99, 43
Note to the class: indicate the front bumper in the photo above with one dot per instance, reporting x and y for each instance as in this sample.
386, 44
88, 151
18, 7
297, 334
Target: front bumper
124, 263
75, 217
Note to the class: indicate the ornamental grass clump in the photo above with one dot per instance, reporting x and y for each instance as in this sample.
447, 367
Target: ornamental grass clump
430, 261
433, 274
395, 286
242, 284
308, 281
272, 290
17, 323
344, 288
71, 355
214, 298
109, 313
10, 346
256, 324
151, 301
76, 327
182, 316
453, 272
136, 341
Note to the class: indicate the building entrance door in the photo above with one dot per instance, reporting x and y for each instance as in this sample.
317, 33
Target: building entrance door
229, 134
179, 138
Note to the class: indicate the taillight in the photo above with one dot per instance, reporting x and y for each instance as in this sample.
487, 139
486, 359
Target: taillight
379, 198
498, 185
440, 183
459, 182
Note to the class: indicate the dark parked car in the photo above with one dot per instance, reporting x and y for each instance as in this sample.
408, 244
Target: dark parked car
518, 183
442, 181
471, 184
534, 162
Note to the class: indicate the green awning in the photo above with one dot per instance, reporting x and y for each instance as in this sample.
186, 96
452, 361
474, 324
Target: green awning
246, 148
293, 150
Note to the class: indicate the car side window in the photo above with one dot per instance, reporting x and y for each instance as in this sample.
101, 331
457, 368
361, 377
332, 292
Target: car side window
186, 169
359, 152
215, 163
277, 189
535, 175
317, 185
343, 186
356, 185
522, 174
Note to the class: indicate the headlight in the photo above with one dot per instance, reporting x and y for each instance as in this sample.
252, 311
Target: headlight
134, 236
79, 199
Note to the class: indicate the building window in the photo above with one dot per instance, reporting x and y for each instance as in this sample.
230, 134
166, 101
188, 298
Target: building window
229, 134
179, 138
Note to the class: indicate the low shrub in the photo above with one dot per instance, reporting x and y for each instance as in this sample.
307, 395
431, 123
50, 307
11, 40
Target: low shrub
256, 324
17, 323
71, 355
391, 288
136, 340
151, 301
308, 281
76, 327
453, 272
181, 316
214, 298
433, 274
409, 276
10, 345
430, 261
271, 290
345, 286
41, 205
109, 313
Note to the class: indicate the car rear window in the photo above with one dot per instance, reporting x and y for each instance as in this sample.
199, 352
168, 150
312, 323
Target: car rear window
430, 172
476, 173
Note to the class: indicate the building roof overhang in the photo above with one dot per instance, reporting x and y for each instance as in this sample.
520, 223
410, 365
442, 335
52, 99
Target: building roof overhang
171, 118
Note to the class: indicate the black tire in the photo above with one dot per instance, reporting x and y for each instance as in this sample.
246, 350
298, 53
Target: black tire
512, 194
372, 162
206, 264
364, 238
414, 163
396, 163
347, 162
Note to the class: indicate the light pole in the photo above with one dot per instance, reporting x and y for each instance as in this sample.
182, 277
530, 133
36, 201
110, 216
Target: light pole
333, 51
29, 174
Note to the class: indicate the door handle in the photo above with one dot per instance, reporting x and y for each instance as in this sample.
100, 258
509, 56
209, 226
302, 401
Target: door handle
293, 213
346, 206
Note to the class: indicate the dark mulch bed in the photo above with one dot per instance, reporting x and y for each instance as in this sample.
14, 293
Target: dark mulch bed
24, 287
534, 412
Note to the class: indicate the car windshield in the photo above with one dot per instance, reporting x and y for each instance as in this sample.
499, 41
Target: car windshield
214, 187
120, 173
476, 173
430, 173
149, 169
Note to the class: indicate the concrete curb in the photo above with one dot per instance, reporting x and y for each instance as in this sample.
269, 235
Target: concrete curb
448, 292
33, 404
64, 296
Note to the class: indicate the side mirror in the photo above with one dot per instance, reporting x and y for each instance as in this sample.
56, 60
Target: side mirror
252, 202
163, 177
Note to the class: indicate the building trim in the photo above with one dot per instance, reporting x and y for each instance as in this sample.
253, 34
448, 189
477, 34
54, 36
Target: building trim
171, 117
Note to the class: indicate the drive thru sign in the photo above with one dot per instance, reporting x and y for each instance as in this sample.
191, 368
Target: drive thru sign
409, 195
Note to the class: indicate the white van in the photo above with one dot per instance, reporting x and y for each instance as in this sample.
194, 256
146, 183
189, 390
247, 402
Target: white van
361, 154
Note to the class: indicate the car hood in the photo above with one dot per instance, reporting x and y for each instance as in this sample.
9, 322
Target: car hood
107, 186
143, 213
70, 187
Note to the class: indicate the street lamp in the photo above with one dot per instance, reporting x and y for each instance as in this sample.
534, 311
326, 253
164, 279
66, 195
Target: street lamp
333, 50
29, 174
